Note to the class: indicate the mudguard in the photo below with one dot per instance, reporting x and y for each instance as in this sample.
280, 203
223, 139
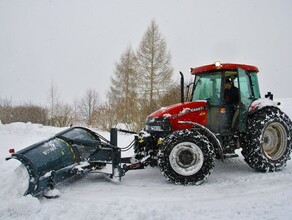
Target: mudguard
210, 135
261, 103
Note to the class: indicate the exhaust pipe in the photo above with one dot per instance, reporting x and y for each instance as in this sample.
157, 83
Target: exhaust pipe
182, 98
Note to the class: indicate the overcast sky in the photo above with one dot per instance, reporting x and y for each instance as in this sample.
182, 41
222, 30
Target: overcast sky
75, 43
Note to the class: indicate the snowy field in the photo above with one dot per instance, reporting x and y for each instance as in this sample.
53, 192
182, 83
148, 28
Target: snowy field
233, 190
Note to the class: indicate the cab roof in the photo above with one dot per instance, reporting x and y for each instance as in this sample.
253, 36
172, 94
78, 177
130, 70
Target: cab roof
223, 66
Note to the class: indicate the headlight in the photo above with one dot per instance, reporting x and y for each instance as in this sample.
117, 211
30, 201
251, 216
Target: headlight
154, 128
218, 65
157, 124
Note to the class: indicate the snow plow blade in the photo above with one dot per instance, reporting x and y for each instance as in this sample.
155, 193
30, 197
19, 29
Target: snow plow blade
72, 152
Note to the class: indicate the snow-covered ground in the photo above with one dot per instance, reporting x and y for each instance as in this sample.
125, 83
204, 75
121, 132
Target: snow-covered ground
233, 190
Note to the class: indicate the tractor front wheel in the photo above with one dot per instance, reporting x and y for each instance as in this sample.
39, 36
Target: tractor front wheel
186, 157
267, 144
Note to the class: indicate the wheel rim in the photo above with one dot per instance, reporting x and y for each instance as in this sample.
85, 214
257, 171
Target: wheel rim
186, 158
274, 141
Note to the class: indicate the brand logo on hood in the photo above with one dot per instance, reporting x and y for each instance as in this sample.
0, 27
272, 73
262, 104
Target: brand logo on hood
189, 110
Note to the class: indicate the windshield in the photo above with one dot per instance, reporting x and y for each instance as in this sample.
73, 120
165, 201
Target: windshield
207, 87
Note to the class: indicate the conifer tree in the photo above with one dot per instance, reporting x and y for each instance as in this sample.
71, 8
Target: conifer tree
123, 91
155, 67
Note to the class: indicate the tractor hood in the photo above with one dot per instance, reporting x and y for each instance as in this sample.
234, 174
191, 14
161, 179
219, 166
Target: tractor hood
173, 114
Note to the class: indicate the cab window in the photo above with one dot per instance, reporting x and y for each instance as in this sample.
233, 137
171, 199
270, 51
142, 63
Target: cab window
207, 87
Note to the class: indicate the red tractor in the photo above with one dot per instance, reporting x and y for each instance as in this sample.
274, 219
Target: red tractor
184, 139
225, 112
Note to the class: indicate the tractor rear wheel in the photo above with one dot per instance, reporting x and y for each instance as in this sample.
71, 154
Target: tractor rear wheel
267, 143
186, 157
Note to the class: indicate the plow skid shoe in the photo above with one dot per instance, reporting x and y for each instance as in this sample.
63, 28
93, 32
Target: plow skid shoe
72, 152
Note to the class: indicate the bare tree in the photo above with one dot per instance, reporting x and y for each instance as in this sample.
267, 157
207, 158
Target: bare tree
76, 116
64, 115
155, 66
54, 102
87, 105
106, 116
5, 102
5, 110
172, 96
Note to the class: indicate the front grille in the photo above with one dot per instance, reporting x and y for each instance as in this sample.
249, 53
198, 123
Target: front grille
158, 125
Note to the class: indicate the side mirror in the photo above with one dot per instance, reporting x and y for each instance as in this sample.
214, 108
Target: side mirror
269, 95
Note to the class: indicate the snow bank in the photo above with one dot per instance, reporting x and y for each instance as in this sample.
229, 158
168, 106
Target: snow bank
14, 181
19, 177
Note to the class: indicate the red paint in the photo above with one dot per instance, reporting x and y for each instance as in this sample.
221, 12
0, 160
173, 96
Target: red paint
188, 111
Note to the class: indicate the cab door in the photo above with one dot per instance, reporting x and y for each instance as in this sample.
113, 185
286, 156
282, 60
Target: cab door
245, 98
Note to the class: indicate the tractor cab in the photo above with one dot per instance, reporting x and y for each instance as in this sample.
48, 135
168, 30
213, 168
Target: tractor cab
210, 85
